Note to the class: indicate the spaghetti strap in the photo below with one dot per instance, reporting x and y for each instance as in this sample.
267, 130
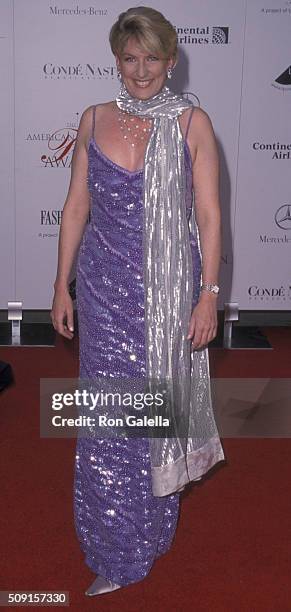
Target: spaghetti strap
189, 122
93, 121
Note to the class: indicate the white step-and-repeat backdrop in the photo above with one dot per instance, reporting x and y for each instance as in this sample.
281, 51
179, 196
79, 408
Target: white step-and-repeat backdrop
55, 60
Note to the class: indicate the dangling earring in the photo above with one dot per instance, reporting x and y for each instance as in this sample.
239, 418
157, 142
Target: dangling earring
170, 73
119, 75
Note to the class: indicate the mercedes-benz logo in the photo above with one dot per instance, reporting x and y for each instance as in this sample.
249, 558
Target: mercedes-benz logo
283, 217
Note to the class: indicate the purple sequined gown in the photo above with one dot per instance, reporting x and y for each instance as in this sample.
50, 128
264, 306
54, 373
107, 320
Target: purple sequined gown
121, 526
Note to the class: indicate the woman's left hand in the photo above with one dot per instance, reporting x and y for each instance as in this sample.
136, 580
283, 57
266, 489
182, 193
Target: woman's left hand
203, 322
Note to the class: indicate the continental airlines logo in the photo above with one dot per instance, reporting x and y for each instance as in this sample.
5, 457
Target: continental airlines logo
276, 150
283, 81
203, 35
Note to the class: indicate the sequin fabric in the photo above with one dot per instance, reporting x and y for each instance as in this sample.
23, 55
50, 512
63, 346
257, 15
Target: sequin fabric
178, 458
122, 527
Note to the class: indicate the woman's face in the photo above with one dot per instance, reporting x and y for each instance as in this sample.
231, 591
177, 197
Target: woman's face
144, 74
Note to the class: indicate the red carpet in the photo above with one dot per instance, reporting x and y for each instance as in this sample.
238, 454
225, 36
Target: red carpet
232, 547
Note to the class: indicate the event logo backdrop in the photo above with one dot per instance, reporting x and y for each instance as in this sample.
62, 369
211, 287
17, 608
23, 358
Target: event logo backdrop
56, 61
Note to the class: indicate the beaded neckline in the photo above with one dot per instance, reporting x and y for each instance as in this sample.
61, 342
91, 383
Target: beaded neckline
121, 168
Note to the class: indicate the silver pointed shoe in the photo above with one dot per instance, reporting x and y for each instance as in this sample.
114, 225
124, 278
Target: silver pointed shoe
102, 585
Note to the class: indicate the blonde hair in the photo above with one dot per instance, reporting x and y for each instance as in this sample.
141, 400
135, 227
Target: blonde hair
153, 32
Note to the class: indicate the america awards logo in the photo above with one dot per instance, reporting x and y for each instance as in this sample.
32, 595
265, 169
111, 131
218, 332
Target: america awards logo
203, 35
60, 148
59, 145
283, 80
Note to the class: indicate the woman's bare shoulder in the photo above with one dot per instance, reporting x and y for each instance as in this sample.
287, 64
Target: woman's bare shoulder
197, 116
101, 111
200, 129
201, 120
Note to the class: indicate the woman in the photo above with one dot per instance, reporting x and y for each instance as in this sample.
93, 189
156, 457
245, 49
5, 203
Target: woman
141, 309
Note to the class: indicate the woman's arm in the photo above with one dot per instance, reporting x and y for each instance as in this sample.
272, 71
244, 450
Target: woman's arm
76, 207
206, 189
74, 218
208, 216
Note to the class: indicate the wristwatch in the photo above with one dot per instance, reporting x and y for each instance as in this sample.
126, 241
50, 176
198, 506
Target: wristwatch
210, 287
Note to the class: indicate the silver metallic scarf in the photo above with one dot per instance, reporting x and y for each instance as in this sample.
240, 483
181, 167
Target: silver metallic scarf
195, 446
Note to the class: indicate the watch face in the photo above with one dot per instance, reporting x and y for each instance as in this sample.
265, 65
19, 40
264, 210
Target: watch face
210, 287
